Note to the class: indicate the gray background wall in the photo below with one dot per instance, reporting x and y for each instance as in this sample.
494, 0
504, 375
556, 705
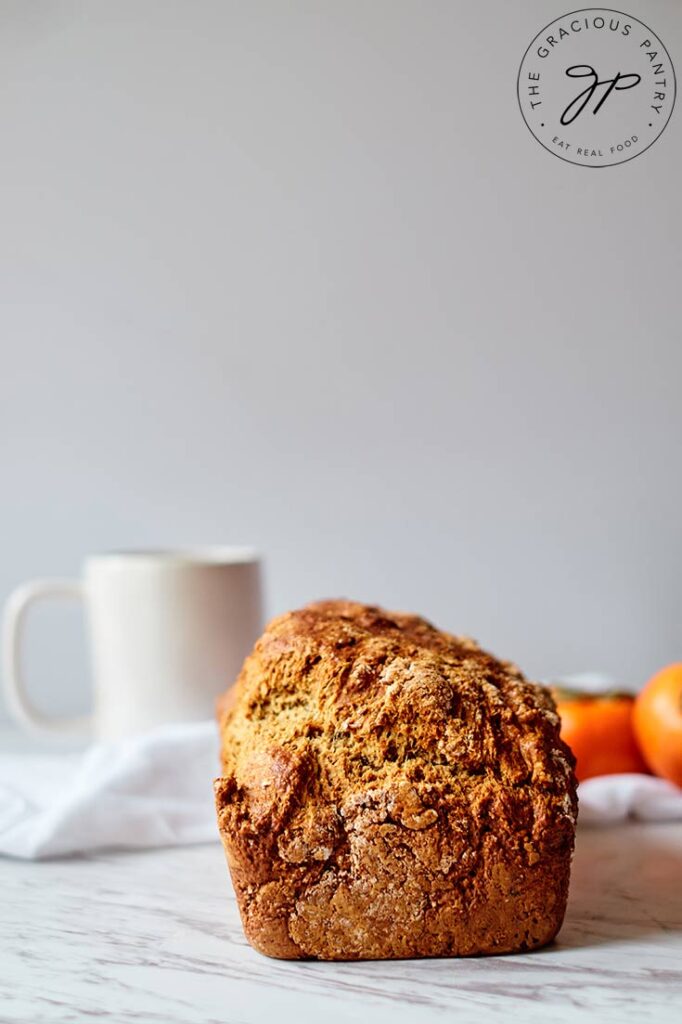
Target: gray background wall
296, 274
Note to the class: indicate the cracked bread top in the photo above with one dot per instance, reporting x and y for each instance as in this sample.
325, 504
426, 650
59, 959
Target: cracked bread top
346, 718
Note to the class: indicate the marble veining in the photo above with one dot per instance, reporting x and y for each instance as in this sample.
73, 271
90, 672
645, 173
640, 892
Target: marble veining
155, 936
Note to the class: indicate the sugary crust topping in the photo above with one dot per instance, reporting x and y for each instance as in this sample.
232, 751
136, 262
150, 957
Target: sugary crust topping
352, 728
377, 693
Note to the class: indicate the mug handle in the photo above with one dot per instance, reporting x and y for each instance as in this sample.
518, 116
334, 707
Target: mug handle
16, 607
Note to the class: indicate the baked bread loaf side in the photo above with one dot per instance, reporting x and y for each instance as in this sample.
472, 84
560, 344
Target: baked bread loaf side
390, 790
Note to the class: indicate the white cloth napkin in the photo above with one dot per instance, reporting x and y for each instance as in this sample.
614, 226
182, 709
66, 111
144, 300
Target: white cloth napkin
607, 799
150, 790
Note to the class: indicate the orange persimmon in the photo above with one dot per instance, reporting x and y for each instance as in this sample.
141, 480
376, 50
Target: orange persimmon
598, 729
657, 723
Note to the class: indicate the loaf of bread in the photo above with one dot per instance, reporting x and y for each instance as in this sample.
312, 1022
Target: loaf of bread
390, 790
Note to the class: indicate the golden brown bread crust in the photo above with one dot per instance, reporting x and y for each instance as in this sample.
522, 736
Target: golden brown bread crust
390, 790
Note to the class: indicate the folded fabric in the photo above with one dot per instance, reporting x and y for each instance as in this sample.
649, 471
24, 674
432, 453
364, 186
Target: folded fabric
151, 790
607, 799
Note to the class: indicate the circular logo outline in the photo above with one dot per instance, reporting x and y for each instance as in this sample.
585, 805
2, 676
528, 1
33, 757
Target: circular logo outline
570, 14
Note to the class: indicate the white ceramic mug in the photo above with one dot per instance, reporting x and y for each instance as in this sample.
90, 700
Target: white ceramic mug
168, 633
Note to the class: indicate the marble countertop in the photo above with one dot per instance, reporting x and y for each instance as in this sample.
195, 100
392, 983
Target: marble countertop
155, 936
